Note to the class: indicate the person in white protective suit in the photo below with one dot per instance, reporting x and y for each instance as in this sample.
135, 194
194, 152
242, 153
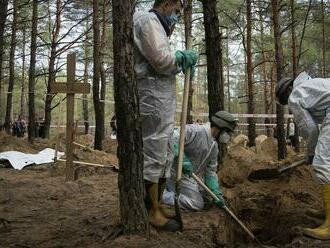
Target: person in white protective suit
309, 101
200, 157
156, 66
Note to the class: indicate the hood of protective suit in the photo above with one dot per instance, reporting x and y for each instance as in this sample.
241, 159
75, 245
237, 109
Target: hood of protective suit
302, 77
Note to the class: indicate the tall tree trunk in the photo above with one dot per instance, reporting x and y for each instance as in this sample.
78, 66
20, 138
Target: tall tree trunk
228, 71
295, 144
23, 99
11, 82
279, 73
96, 77
85, 100
3, 17
264, 75
51, 68
324, 73
249, 72
130, 180
272, 88
102, 65
214, 63
188, 33
33, 49
213, 54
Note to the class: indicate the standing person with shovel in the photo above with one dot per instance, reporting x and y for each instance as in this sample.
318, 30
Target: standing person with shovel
309, 101
156, 66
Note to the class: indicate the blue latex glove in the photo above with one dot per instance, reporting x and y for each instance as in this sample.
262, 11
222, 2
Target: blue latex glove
187, 167
213, 184
186, 59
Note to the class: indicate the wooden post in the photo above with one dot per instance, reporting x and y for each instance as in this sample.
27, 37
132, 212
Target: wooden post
70, 88
71, 71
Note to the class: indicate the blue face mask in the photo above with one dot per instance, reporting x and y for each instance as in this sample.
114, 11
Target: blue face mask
172, 19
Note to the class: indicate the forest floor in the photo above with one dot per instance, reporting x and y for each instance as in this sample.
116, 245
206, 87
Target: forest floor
38, 208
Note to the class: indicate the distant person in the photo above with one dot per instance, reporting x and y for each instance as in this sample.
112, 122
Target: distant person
86, 124
41, 133
275, 131
291, 129
113, 125
19, 127
268, 127
309, 101
199, 121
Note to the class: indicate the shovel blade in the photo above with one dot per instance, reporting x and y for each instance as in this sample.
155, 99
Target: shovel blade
264, 174
178, 216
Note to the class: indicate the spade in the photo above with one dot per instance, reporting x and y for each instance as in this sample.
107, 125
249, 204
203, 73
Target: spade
268, 174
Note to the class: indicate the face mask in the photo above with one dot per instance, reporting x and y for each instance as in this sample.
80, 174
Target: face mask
172, 19
224, 138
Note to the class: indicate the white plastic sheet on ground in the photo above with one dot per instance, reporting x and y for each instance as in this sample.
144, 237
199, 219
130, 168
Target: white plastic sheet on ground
19, 160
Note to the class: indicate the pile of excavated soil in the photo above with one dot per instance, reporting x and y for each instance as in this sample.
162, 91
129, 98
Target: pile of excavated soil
110, 145
38, 208
274, 209
12, 143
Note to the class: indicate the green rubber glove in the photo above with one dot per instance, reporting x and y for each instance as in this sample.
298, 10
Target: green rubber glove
212, 183
187, 167
186, 59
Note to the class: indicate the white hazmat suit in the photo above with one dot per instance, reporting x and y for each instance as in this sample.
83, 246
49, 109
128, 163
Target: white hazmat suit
310, 104
155, 68
202, 151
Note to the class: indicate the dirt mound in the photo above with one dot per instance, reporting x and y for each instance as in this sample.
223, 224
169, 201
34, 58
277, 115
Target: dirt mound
275, 210
86, 139
269, 149
12, 143
110, 145
236, 166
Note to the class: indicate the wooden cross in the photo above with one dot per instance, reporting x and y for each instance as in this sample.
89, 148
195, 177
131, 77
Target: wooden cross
71, 87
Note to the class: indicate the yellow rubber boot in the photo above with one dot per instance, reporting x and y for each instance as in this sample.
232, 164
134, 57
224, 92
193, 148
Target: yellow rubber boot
161, 188
322, 232
156, 217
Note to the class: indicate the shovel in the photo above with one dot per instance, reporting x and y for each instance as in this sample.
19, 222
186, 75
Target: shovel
225, 208
268, 174
183, 120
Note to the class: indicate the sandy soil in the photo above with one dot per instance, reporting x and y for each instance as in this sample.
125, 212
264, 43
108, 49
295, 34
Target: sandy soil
39, 209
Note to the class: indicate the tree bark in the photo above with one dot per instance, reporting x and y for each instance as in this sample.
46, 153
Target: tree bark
282, 152
324, 72
249, 70
3, 17
214, 64
33, 49
96, 78
295, 140
23, 99
130, 180
102, 65
51, 68
228, 72
213, 53
11, 82
188, 33
85, 100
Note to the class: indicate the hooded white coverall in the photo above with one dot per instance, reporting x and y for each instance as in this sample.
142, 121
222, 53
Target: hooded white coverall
155, 68
202, 150
310, 104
